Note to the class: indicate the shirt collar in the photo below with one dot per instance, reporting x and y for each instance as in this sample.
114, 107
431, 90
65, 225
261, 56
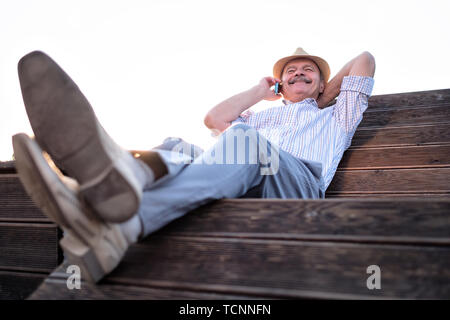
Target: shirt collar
307, 100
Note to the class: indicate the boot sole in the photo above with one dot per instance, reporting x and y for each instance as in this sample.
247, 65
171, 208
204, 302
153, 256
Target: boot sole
65, 126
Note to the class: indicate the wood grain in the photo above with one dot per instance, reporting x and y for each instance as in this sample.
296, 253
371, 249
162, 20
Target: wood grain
7, 167
407, 117
396, 157
382, 221
55, 287
29, 247
15, 203
276, 269
396, 181
265, 248
19, 285
417, 98
387, 196
402, 136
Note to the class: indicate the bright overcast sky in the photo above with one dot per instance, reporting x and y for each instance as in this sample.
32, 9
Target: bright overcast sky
152, 69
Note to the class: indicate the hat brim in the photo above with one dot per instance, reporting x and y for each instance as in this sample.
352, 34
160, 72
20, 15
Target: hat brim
321, 63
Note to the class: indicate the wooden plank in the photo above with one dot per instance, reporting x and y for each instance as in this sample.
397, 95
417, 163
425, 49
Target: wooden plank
286, 267
402, 221
396, 157
19, 285
407, 117
7, 167
29, 247
402, 136
15, 204
55, 287
388, 107
396, 181
277, 269
417, 98
387, 196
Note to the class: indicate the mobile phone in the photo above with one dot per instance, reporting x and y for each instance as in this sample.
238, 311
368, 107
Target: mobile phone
277, 87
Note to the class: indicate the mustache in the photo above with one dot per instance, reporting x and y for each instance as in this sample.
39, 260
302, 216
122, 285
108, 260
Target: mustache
299, 78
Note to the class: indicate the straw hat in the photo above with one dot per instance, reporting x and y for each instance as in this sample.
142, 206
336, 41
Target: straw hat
300, 53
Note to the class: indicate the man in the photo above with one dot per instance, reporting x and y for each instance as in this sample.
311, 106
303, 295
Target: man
309, 131
114, 199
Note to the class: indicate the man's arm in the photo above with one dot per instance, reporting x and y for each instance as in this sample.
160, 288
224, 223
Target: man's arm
362, 65
221, 116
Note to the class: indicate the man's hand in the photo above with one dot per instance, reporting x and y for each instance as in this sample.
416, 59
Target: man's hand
265, 84
362, 65
221, 116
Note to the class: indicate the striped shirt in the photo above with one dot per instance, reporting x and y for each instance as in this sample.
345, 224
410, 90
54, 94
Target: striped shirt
308, 132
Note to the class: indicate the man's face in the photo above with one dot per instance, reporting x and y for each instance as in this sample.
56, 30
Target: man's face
301, 80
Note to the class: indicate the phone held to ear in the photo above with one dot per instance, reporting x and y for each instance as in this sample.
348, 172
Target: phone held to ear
277, 87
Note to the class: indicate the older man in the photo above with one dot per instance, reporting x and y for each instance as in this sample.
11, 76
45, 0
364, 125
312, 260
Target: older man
114, 199
307, 130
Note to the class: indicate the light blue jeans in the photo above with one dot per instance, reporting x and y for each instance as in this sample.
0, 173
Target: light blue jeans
196, 180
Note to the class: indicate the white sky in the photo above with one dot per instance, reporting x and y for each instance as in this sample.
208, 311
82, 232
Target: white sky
152, 69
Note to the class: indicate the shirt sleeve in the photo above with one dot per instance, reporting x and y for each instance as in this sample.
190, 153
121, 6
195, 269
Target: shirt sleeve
352, 102
243, 118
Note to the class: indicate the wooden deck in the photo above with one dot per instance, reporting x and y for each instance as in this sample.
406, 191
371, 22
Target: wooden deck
29, 249
284, 249
388, 205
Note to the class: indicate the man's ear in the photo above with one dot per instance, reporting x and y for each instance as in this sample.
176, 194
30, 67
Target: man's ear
321, 86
